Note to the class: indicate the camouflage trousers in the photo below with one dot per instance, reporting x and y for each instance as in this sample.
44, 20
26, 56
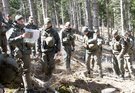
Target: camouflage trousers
128, 63
67, 59
90, 59
118, 65
48, 62
26, 77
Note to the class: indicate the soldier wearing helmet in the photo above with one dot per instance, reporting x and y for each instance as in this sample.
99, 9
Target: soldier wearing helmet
21, 50
92, 51
67, 38
50, 45
129, 42
118, 50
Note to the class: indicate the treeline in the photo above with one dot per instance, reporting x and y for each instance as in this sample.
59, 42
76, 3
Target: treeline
113, 14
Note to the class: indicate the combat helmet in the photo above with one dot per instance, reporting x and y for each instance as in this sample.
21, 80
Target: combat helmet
18, 17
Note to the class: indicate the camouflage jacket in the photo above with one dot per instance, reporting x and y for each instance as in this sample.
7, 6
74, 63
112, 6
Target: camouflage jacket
9, 24
119, 46
2, 26
31, 26
129, 46
67, 37
17, 42
43, 45
91, 39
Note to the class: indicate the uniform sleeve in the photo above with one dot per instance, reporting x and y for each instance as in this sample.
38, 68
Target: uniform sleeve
15, 39
132, 42
58, 44
123, 47
73, 37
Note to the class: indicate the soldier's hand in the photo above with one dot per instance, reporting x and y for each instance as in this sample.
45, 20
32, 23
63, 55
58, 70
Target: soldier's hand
85, 45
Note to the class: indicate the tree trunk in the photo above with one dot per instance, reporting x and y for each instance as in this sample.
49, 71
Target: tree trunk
95, 14
107, 16
23, 9
5, 6
62, 14
33, 9
88, 14
1, 8
127, 15
121, 12
75, 14
80, 15
56, 14
44, 9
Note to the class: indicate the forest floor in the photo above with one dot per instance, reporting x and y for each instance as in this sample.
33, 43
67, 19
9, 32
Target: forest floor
77, 82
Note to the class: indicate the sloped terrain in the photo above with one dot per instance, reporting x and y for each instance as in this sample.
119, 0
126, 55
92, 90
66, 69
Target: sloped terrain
76, 81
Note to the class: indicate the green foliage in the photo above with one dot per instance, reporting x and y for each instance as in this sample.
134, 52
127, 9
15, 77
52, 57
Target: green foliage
132, 10
14, 4
113, 8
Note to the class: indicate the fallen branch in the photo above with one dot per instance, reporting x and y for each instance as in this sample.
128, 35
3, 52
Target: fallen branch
77, 61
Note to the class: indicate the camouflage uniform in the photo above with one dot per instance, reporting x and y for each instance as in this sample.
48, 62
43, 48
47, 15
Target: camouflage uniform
114, 56
50, 45
118, 49
99, 52
22, 52
3, 39
129, 53
68, 43
9, 22
93, 52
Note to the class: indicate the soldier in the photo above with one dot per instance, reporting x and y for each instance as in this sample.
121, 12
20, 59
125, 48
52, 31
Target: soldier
3, 39
9, 21
91, 46
131, 38
99, 51
67, 38
118, 50
22, 50
31, 25
50, 45
129, 52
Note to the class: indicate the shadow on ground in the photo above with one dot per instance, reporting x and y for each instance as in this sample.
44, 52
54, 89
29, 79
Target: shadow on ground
90, 86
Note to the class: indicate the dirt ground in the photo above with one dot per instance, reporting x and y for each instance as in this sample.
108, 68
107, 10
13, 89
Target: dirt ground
77, 82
